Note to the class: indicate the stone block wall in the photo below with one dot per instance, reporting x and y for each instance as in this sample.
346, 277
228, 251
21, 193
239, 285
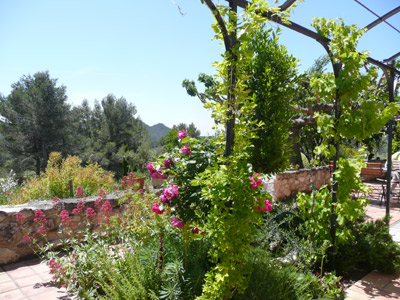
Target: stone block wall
12, 244
289, 183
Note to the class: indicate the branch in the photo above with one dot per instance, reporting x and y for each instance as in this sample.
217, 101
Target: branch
221, 24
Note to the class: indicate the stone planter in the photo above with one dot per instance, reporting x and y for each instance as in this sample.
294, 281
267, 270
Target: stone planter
157, 182
139, 180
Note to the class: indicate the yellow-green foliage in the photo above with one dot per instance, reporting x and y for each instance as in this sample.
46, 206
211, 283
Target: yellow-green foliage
55, 181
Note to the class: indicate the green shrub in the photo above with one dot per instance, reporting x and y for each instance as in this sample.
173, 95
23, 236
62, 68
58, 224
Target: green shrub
55, 181
372, 248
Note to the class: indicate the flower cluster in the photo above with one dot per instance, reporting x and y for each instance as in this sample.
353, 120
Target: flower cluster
255, 181
65, 219
20, 218
186, 150
79, 208
156, 174
182, 134
266, 207
91, 215
159, 210
79, 192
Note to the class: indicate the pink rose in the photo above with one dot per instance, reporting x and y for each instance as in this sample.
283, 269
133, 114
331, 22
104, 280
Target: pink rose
255, 182
267, 206
177, 223
182, 134
168, 162
186, 149
171, 191
156, 209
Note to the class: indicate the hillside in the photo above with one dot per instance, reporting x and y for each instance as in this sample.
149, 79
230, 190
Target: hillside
157, 132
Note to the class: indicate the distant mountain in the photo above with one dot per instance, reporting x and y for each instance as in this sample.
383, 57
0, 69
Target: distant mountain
157, 132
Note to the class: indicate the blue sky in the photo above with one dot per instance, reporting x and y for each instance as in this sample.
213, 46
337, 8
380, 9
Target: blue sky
142, 50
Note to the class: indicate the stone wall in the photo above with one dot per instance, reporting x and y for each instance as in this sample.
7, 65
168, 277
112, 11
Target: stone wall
12, 244
289, 183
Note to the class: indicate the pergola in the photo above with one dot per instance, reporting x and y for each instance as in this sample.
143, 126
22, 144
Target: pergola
386, 65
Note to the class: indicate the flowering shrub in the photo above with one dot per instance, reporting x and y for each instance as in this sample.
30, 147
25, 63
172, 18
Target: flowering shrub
55, 181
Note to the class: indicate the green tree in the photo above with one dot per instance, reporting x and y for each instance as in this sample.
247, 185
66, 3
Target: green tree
110, 134
36, 121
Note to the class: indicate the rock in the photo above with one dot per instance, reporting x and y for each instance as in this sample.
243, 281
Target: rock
8, 256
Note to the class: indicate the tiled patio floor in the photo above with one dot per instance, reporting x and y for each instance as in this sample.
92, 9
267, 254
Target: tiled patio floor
32, 280
29, 280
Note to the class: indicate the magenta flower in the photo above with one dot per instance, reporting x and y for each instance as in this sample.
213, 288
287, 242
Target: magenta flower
90, 214
40, 217
163, 199
20, 218
79, 192
42, 231
186, 149
255, 181
79, 208
267, 206
177, 223
182, 134
196, 230
102, 193
168, 162
156, 209
151, 168
65, 219
171, 191
27, 239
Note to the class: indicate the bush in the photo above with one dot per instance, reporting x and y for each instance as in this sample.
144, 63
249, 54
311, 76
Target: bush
55, 181
372, 248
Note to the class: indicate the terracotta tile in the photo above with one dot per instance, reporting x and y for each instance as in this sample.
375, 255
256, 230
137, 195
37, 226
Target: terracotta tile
20, 273
40, 268
46, 276
29, 280
12, 295
367, 290
393, 288
48, 295
36, 289
375, 280
354, 295
15, 266
7, 286
4, 277
385, 296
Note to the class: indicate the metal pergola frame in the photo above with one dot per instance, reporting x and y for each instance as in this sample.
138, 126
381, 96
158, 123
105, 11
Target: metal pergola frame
386, 66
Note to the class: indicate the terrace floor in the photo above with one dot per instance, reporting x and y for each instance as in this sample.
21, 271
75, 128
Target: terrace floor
31, 280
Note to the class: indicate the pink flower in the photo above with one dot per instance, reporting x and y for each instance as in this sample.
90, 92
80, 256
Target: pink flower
163, 199
115, 187
177, 223
102, 193
186, 149
254, 183
79, 192
182, 134
65, 219
106, 207
196, 230
40, 217
125, 177
171, 191
168, 162
42, 231
98, 203
27, 239
203, 233
156, 209
90, 214
151, 168
79, 208
20, 218
56, 202
267, 206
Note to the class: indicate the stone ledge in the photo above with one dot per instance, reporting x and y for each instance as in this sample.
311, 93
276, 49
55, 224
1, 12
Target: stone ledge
12, 245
